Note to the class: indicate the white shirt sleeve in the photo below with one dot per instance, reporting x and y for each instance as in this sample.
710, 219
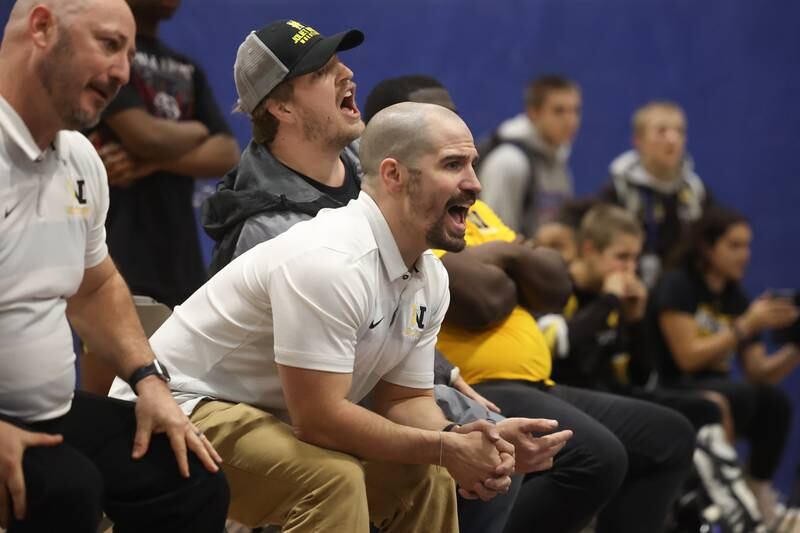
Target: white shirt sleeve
97, 185
319, 301
416, 370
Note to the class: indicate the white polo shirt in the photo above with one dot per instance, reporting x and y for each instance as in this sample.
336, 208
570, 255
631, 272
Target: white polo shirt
331, 294
53, 206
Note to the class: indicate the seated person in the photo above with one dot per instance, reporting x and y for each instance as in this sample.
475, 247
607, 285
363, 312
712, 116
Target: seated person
338, 308
705, 319
608, 348
560, 234
626, 459
66, 457
524, 166
657, 183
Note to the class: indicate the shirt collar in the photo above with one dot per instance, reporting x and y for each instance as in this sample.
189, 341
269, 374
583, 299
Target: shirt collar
18, 131
387, 246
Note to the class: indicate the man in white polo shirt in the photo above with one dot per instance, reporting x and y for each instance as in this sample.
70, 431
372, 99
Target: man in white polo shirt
274, 356
65, 459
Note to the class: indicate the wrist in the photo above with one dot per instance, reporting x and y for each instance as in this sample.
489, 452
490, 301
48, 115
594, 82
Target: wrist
146, 383
741, 329
154, 371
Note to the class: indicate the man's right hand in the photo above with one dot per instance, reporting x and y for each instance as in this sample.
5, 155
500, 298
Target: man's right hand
478, 459
13, 442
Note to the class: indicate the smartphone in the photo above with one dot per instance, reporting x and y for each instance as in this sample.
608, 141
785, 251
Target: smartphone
791, 333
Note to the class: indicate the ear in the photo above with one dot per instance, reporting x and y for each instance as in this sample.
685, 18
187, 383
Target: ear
391, 173
636, 141
42, 26
283, 111
532, 112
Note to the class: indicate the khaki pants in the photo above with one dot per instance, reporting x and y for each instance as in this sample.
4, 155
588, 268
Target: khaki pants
277, 479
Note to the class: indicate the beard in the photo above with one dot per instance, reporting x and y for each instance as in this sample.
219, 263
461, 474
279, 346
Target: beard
326, 132
55, 73
437, 235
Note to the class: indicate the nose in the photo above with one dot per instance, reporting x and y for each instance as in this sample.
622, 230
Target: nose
345, 72
120, 71
674, 136
471, 183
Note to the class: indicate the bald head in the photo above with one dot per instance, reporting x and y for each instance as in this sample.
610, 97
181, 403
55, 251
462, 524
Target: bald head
70, 57
403, 132
65, 11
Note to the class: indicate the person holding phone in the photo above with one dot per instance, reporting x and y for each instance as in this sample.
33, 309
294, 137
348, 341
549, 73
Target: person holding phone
705, 320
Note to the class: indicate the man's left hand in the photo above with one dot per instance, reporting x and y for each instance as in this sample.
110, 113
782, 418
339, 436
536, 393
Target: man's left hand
533, 454
157, 412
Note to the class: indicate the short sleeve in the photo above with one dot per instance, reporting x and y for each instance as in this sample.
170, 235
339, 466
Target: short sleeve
96, 181
739, 301
319, 301
675, 292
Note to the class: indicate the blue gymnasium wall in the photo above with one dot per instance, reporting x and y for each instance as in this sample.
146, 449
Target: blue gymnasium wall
732, 64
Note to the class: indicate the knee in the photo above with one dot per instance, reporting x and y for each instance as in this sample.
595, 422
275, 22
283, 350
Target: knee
341, 474
74, 498
598, 464
679, 440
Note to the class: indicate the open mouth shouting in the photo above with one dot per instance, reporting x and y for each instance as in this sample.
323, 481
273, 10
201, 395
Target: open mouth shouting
347, 103
457, 209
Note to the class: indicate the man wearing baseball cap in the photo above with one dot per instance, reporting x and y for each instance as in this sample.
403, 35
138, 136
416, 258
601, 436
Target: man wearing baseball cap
301, 101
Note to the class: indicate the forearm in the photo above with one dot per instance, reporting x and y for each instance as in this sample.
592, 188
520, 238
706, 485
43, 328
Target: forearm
419, 412
352, 429
542, 277
150, 138
212, 158
705, 352
105, 319
481, 292
773, 368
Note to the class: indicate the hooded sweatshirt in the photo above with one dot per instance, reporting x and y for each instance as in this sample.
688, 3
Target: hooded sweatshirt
260, 199
524, 179
666, 209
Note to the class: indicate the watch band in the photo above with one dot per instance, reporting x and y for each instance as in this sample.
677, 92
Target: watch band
153, 369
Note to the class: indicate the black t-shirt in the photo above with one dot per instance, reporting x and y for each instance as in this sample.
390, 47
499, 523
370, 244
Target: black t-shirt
347, 191
604, 352
152, 232
686, 291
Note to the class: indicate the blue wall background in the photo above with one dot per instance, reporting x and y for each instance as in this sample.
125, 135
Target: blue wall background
732, 64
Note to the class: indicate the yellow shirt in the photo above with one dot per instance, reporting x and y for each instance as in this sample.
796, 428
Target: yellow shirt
513, 349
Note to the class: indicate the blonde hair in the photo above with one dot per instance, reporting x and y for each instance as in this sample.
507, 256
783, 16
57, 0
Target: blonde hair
604, 222
640, 116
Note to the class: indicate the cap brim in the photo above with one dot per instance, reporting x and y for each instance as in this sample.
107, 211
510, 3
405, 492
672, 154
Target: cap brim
324, 49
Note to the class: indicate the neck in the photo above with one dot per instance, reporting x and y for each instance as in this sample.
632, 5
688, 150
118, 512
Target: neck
147, 27
31, 102
716, 282
579, 271
408, 241
659, 172
321, 165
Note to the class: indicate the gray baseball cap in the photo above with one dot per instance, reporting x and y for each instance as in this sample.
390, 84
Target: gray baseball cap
281, 51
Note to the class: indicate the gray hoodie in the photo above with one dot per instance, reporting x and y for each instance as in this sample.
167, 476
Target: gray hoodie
524, 180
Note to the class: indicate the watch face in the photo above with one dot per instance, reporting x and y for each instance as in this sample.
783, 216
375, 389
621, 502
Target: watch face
162, 370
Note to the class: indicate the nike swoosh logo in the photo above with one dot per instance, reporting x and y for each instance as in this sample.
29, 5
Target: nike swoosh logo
373, 325
8, 211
